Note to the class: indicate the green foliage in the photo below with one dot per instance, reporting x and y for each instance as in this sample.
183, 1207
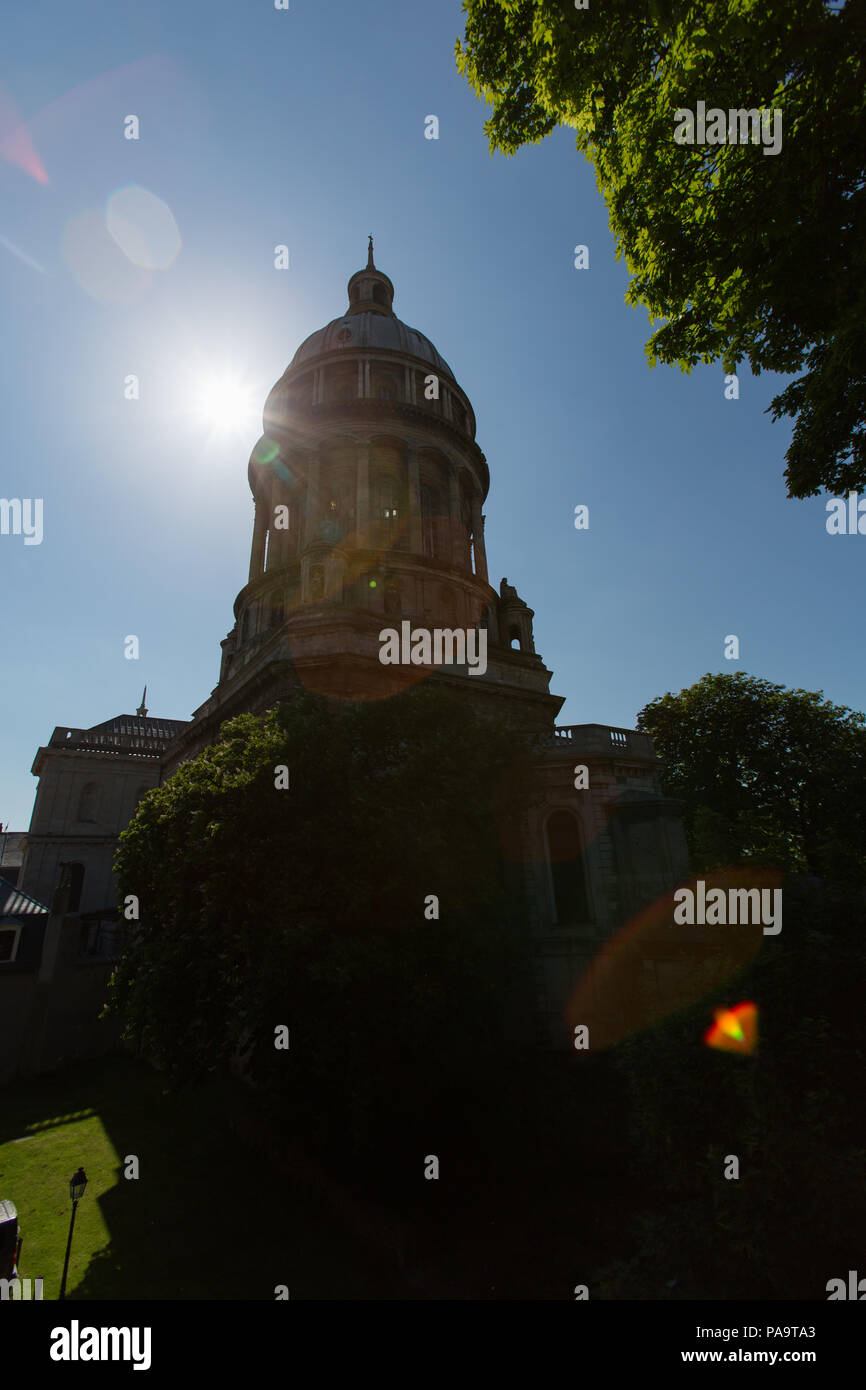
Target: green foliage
765, 774
791, 1113
740, 255
305, 907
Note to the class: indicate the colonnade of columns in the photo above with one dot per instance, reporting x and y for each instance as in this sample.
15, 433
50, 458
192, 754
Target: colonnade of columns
364, 388
308, 516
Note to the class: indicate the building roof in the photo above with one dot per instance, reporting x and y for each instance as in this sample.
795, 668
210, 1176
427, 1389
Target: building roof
371, 330
143, 726
129, 734
370, 322
11, 853
14, 903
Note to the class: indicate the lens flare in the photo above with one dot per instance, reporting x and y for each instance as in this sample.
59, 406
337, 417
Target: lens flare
143, 227
654, 968
99, 265
735, 1030
16, 142
266, 451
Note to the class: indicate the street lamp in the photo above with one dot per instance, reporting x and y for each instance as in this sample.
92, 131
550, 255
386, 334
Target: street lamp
77, 1184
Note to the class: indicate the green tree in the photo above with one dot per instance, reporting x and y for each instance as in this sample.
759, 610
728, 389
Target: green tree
765, 774
791, 1112
306, 907
740, 254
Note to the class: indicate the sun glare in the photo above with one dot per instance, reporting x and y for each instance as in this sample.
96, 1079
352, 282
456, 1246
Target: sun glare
228, 405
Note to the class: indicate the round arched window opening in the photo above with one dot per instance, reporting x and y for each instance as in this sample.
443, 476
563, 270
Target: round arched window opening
567, 869
76, 885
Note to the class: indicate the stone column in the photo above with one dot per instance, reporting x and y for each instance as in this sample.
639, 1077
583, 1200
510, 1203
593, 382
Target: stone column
311, 499
415, 541
362, 503
257, 556
268, 504
478, 537
455, 522
335, 575
278, 550
366, 378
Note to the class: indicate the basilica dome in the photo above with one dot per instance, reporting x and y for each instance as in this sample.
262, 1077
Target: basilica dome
370, 322
371, 330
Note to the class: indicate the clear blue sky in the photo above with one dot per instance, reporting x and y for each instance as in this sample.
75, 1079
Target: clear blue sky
306, 127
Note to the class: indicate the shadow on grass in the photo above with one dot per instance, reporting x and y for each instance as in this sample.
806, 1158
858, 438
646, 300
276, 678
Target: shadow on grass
205, 1219
531, 1204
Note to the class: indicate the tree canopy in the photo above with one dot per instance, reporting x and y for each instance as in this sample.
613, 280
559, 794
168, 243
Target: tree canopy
792, 1112
308, 906
764, 773
741, 254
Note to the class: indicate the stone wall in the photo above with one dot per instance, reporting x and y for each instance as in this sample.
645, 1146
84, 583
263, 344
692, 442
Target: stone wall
49, 1006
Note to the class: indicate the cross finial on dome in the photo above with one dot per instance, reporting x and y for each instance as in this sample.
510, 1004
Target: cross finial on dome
370, 265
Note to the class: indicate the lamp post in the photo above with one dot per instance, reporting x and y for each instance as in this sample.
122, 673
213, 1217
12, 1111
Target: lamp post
77, 1184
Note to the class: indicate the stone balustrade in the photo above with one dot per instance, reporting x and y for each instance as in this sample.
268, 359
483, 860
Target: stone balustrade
601, 740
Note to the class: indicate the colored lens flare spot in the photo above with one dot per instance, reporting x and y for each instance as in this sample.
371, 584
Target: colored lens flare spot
735, 1030
265, 451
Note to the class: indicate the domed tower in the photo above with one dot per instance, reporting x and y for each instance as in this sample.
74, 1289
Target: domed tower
368, 488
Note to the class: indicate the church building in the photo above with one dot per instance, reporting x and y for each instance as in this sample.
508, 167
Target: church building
368, 488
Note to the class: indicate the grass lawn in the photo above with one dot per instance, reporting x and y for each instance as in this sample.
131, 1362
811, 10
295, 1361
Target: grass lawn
205, 1219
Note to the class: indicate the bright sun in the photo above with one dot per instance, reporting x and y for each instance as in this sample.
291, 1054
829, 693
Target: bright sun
228, 405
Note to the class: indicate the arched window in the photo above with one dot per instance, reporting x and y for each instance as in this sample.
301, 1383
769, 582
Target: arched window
379, 294
389, 507
340, 386
429, 512
9, 935
76, 885
514, 637
567, 869
87, 802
